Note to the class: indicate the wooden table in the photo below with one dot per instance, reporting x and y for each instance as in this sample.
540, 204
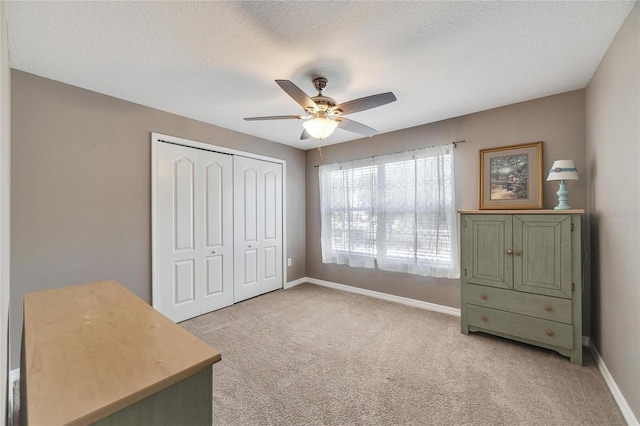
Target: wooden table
97, 353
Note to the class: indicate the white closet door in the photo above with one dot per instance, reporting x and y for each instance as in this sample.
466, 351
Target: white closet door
246, 175
176, 236
270, 224
217, 206
193, 220
258, 227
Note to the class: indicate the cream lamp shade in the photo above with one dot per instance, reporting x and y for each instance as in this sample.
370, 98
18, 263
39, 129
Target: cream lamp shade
320, 127
563, 170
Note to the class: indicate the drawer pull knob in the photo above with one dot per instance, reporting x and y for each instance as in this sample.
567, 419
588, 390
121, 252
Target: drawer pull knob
517, 253
483, 296
509, 252
483, 317
548, 308
549, 333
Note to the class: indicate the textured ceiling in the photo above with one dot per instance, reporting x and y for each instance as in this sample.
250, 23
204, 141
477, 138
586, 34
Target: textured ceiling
217, 61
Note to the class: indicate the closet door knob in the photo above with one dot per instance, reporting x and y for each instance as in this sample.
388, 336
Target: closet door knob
213, 252
517, 253
509, 252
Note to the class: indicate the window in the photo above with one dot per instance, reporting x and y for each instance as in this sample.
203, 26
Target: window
395, 210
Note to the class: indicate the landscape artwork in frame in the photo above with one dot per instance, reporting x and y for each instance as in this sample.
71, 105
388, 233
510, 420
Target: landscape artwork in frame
511, 177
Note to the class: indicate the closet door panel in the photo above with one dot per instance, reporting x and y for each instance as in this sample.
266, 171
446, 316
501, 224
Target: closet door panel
215, 276
270, 193
184, 282
214, 204
178, 263
217, 212
249, 212
270, 261
184, 176
250, 260
246, 206
271, 226
258, 239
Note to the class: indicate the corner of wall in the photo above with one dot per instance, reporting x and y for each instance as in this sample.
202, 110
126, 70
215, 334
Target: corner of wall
5, 188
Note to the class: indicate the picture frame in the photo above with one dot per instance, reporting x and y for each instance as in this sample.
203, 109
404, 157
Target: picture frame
511, 177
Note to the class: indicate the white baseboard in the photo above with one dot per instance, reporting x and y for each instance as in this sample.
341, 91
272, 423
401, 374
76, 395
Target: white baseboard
13, 376
296, 282
613, 387
388, 297
586, 341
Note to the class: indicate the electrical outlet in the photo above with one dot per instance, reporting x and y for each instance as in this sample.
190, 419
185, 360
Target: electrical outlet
289, 262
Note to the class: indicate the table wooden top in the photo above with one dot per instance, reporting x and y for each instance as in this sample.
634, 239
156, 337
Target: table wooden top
92, 349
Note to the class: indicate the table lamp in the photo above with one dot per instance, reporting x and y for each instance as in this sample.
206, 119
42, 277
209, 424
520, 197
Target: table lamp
563, 170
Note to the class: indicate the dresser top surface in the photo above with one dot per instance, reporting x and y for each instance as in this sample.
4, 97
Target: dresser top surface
516, 211
93, 349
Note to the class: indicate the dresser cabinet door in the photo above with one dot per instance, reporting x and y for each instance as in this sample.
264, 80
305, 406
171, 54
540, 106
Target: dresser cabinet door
542, 254
488, 242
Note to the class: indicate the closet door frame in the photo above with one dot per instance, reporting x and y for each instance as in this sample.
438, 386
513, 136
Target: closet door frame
158, 138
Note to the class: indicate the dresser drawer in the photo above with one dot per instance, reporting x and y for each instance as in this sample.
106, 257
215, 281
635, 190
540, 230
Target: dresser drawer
536, 329
547, 307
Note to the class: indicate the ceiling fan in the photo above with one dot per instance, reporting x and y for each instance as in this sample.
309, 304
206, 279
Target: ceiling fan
322, 114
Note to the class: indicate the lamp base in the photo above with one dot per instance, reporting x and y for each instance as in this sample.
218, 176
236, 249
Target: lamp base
563, 196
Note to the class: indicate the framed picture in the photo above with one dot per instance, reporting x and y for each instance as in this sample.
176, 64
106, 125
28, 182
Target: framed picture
511, 177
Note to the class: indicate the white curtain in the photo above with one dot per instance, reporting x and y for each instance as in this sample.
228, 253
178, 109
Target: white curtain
395, 210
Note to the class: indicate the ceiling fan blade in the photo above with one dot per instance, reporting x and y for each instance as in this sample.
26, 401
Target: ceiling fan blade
365, 103
274, 117
355, 127
304, 135
297, 94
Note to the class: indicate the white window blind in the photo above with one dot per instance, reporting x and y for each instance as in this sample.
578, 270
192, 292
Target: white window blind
395, 210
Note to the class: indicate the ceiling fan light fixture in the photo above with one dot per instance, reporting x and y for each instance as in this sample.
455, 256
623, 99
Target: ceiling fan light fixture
320, 127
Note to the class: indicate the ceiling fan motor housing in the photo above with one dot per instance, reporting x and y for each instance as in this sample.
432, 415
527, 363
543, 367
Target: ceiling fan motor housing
320, 83
324, 102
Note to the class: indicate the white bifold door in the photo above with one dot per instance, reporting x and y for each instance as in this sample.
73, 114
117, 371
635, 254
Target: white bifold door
218, 230
258, 227
194, 232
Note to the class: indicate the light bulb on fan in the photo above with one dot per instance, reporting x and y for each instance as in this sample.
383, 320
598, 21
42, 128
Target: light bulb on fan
320, 126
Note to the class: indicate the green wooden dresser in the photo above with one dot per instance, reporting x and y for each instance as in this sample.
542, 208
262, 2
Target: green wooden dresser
521, 277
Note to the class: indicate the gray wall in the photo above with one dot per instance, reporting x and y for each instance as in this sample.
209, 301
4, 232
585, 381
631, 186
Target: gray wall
5, 191
558, 121
81, 189
613, 155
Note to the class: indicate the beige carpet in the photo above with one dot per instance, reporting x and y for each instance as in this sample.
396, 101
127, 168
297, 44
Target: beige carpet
316, 356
